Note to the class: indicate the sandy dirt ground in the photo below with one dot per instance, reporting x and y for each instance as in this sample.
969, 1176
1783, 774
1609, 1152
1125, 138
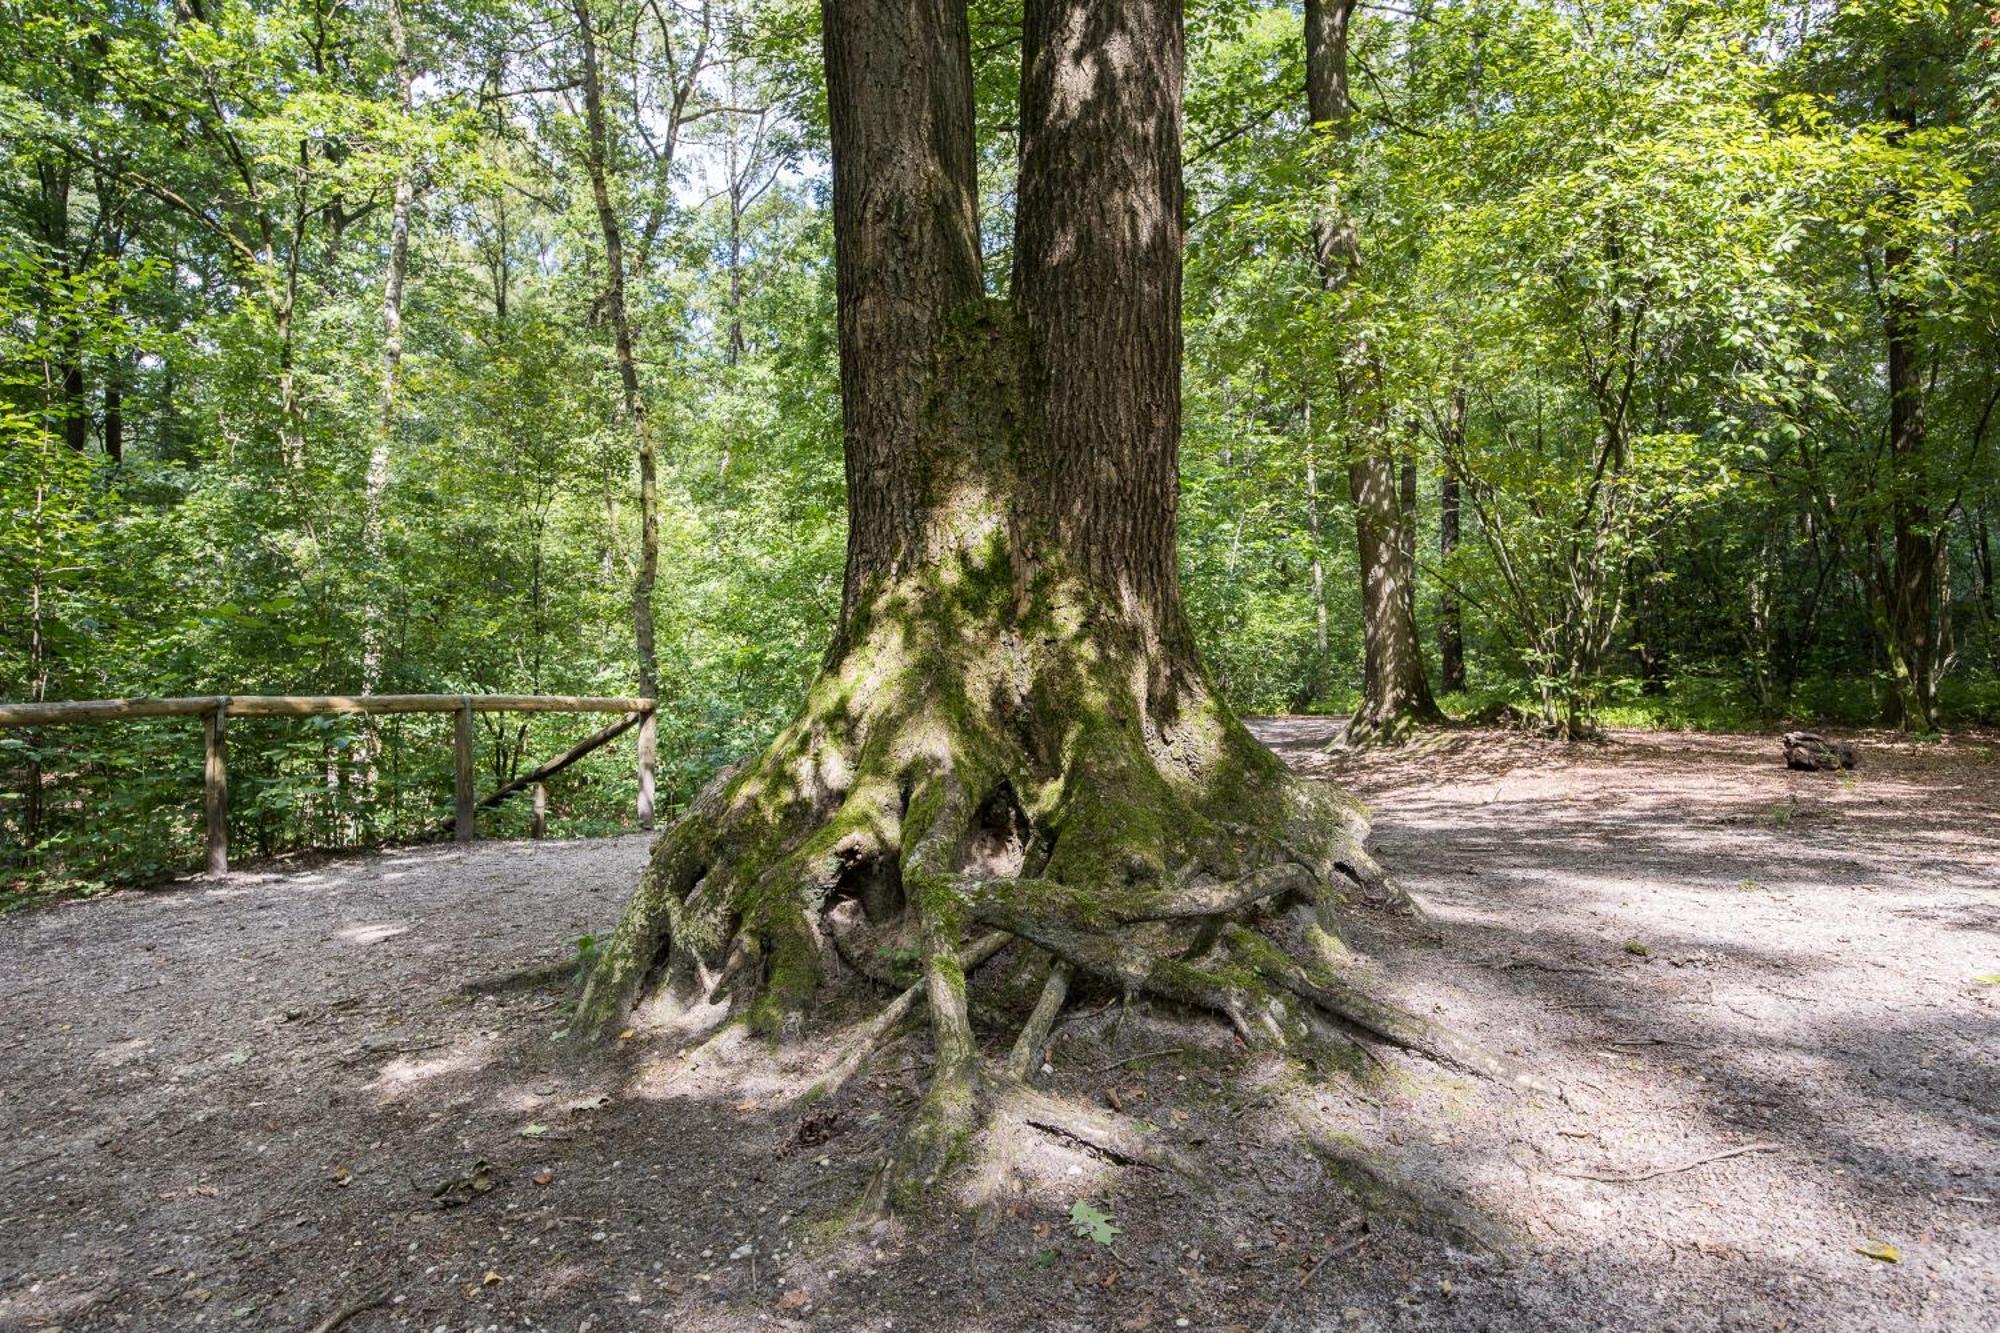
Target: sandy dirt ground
264, 1101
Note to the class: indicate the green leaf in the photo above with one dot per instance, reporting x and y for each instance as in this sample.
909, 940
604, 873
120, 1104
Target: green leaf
1091, 1223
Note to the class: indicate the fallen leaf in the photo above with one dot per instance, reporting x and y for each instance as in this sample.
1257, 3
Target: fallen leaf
1879, 1249
626, 1035
492, 1279
533, 1131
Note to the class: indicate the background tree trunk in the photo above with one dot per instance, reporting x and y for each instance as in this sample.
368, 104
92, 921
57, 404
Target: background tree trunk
375, 484
632, 402
1451, 632
1395, 694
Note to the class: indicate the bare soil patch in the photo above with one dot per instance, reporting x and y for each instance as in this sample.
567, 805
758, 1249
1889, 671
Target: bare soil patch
260, 1101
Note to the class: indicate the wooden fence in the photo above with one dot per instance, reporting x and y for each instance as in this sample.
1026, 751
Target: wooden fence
215, 710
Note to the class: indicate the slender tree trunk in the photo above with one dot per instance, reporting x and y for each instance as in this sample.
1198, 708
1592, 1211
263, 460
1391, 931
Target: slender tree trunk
1451, 633
1908, 587
1395, 694
632, 402
114, 408
1406, 483
375, 484
1911, 588
1981, 538
1316, 682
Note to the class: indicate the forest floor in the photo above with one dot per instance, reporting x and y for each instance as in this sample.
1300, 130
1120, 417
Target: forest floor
254, 1101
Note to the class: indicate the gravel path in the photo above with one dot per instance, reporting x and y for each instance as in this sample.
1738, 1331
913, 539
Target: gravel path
255, 1102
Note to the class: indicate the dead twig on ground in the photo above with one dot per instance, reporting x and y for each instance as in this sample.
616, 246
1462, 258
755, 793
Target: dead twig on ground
1676, 1169
1345, 1247
359, 1305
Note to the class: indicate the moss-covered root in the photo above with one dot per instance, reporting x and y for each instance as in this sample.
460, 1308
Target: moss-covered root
1380, 1019
936, 829
1028, 1044
640, 941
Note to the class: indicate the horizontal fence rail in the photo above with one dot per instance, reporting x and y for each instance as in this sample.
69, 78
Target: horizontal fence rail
215, 710
309, 705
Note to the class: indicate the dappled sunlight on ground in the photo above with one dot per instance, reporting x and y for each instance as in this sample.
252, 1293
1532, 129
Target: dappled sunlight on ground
1755, 993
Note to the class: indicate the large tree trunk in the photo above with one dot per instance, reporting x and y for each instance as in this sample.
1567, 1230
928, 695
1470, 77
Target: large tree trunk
632, 402
1395, 695
1012, 731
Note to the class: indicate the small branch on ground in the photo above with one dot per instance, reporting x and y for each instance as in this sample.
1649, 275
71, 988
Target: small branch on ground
1611, 1179
359, 1305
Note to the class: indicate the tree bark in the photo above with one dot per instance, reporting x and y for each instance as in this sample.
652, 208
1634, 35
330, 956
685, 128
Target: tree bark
1451, 633
1406, 482
1097, 279
1396, 696
632, 402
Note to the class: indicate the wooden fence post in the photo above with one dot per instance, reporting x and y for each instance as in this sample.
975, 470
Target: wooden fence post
541, 825
649, 747
215, 787
461, 744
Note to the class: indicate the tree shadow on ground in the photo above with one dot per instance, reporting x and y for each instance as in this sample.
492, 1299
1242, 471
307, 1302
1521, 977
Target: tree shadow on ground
247, 1095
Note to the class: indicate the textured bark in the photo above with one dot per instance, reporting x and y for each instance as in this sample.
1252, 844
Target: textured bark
1406, 485
1097, 278
1451, 634
1396, 696
906, 251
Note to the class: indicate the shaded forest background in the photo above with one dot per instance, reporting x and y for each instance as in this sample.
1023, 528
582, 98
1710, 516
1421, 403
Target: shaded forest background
410, 346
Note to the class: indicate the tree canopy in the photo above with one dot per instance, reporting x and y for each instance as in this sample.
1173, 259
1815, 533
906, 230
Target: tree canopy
360, 347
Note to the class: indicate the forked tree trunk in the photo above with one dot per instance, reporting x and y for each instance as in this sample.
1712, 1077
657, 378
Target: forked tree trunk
1396, 696
1012, 733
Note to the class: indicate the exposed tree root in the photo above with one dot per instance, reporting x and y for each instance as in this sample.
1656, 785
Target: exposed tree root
1028, 1045
1379, 1188
984, 755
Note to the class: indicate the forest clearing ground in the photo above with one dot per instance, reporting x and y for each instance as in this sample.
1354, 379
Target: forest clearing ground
250, 1102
